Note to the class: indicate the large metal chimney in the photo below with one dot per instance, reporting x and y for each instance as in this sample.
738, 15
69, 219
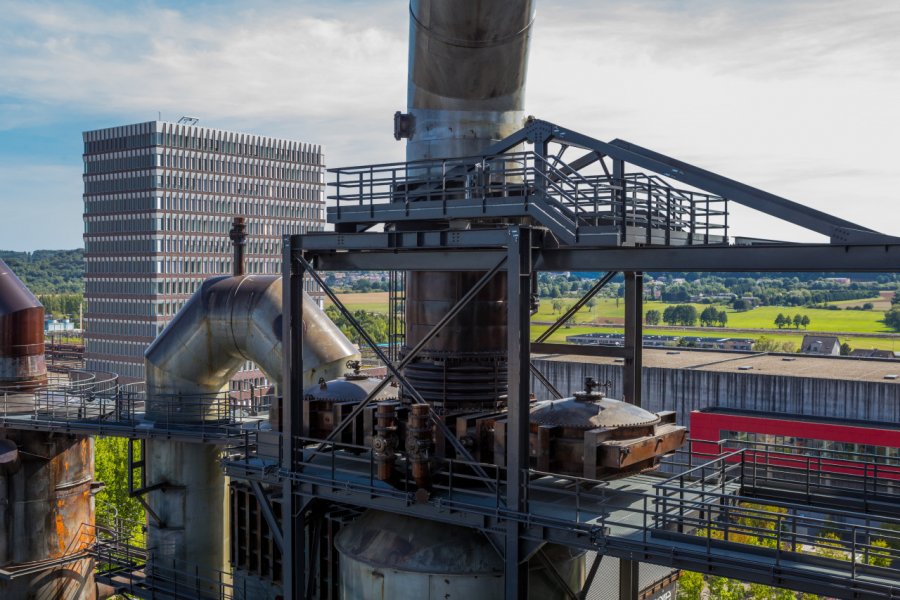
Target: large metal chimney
467, 67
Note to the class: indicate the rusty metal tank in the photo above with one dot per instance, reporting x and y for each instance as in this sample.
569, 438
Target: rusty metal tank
398, 557
592, 436
46, 516
328, 403
22, 363
463, 367
46, 501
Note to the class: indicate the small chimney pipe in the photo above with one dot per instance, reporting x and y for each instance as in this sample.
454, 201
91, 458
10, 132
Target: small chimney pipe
238, 235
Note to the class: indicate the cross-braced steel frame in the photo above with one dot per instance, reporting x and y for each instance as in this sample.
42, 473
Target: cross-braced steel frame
632, 215
518, 252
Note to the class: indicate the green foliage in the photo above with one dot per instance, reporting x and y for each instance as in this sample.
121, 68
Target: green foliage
892, 318
652, 317
62, 305
111, 467
48, 271
880, 555
682, 314
690, 586
721, 588
558, 305
375, 324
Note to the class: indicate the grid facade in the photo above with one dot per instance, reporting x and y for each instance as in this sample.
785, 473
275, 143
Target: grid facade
159, 200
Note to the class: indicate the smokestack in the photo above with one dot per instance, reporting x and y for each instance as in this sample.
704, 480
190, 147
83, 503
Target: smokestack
238, 235
467, 67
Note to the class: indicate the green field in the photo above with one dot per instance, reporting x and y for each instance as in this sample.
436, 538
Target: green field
376, 302
763, 317
610, 318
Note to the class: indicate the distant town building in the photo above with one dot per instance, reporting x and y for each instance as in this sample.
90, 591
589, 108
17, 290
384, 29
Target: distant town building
58, 325
825, 345
664, 341
159, 199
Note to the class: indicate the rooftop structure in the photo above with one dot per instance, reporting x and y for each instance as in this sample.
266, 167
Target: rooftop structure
827, 345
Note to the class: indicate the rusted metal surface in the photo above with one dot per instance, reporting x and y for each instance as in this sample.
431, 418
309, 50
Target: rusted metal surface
385, 442
22, 364
238, 236
47, 510
385, 556
327, 404
420, 444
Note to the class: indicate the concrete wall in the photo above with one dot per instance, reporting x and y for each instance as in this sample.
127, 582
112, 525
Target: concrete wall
684, 390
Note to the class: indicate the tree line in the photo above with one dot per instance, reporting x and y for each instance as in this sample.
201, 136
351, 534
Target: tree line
48, 271
782, 321
687, 315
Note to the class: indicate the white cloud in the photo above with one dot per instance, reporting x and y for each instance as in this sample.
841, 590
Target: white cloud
798, 97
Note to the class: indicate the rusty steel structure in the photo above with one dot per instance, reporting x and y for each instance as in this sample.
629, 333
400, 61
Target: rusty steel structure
445, 478
46, 479
22, 363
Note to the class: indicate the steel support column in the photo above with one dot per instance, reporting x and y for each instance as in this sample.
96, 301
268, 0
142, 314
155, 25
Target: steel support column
631, 388
518, 290
293, 530
634, 337
628, 579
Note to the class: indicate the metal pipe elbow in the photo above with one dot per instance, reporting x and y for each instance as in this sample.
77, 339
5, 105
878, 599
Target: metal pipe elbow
227, 322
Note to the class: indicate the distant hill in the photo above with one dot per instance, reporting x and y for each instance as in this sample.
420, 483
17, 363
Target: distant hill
48, 271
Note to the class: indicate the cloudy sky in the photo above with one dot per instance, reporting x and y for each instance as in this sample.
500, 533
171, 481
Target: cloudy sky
798, 97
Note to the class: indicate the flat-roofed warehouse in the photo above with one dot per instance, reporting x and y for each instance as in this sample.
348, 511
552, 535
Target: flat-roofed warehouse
686, 380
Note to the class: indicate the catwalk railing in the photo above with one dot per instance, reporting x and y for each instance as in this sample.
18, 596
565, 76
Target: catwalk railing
105, 407
525, 183
694, 512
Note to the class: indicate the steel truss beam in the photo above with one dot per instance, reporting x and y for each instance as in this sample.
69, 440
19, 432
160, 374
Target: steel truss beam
394, 370
864, 258
838, 230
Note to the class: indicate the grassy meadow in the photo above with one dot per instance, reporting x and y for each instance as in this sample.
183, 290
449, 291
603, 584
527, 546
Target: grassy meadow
610, 317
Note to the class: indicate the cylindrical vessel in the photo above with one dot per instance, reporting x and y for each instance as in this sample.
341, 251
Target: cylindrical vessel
47, 513
466, 90
192, 531
463, 367
467, 69
228, 321
393, 556
22, 365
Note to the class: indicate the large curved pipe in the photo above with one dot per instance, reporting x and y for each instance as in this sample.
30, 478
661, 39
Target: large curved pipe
467, 68
229, 321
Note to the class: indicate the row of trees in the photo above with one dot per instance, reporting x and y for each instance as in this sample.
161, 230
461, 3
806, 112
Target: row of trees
48, 271
782, 321
711, 316
685, 314
62, 305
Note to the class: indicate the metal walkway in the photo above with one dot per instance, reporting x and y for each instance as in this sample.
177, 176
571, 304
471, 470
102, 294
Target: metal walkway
691, 520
